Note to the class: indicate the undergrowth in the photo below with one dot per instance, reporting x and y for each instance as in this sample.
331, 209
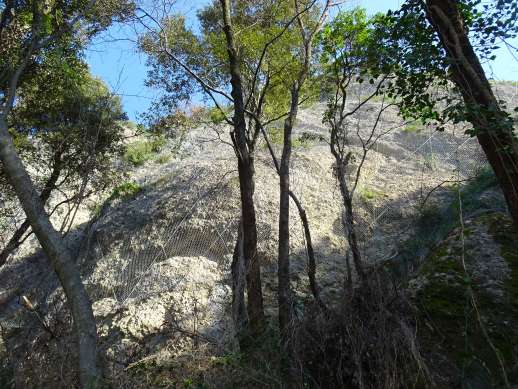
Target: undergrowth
140, 152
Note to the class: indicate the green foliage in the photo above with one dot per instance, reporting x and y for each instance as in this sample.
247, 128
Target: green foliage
140, 152
413, 128
351, 56
369, 194
275, 135
413, 55
305, 140
163, 159
206, 55
25, 22
309, 138
216, 116
66, 121
125, 191
347, 38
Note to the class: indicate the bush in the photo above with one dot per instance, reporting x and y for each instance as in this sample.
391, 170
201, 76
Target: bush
368, 194
276, 137
163, 159
215, 115
310, 138
413, 128
126, 191
139, 153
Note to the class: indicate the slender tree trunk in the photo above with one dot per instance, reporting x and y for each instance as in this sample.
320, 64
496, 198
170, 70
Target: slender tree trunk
494, 129
284, 289
349, 277
246, 184
349, 220
58, 255
312, 264
239, 271
14, 242
291, 377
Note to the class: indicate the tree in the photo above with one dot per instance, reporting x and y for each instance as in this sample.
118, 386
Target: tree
350, 57
493, 126
68, 124
181, 63
246, 180
308, 27
259, 61
27, 31
440, 44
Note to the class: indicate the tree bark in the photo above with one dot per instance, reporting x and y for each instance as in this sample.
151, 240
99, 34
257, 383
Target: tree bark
284, 289
290, 377
312, 264
493, 127
349, 217
14, 242
246, 184
58, 255
239, 312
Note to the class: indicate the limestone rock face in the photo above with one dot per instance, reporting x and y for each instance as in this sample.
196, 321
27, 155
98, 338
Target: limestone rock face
156, 265
183, 297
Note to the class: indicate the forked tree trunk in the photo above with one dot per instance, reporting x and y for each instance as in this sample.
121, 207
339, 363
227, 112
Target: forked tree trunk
58, 255
493, 128
312, 263
246, 184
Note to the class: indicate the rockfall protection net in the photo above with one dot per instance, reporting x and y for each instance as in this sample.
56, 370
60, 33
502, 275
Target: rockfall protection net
430, 158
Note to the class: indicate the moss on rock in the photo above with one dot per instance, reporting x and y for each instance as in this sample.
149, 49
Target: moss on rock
467, 295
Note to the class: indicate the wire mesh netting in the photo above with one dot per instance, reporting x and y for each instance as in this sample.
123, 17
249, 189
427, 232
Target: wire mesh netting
430, 159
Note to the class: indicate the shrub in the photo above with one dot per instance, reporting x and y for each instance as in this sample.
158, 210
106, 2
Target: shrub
276, 137
368, 194
163, 159
413, 128
139, 153
310, 137
215, 115
125, 191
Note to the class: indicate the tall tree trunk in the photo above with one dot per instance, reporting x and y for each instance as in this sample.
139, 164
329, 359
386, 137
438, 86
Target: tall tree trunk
14, 242
284, 289
493, 128
58, 255
312, 263
246, 184
283, 270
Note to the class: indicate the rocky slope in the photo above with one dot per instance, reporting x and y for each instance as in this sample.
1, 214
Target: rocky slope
156, 263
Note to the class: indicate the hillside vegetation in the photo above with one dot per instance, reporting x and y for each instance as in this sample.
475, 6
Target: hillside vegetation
341, 212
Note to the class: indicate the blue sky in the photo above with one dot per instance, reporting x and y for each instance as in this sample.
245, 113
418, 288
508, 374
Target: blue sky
114, 58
